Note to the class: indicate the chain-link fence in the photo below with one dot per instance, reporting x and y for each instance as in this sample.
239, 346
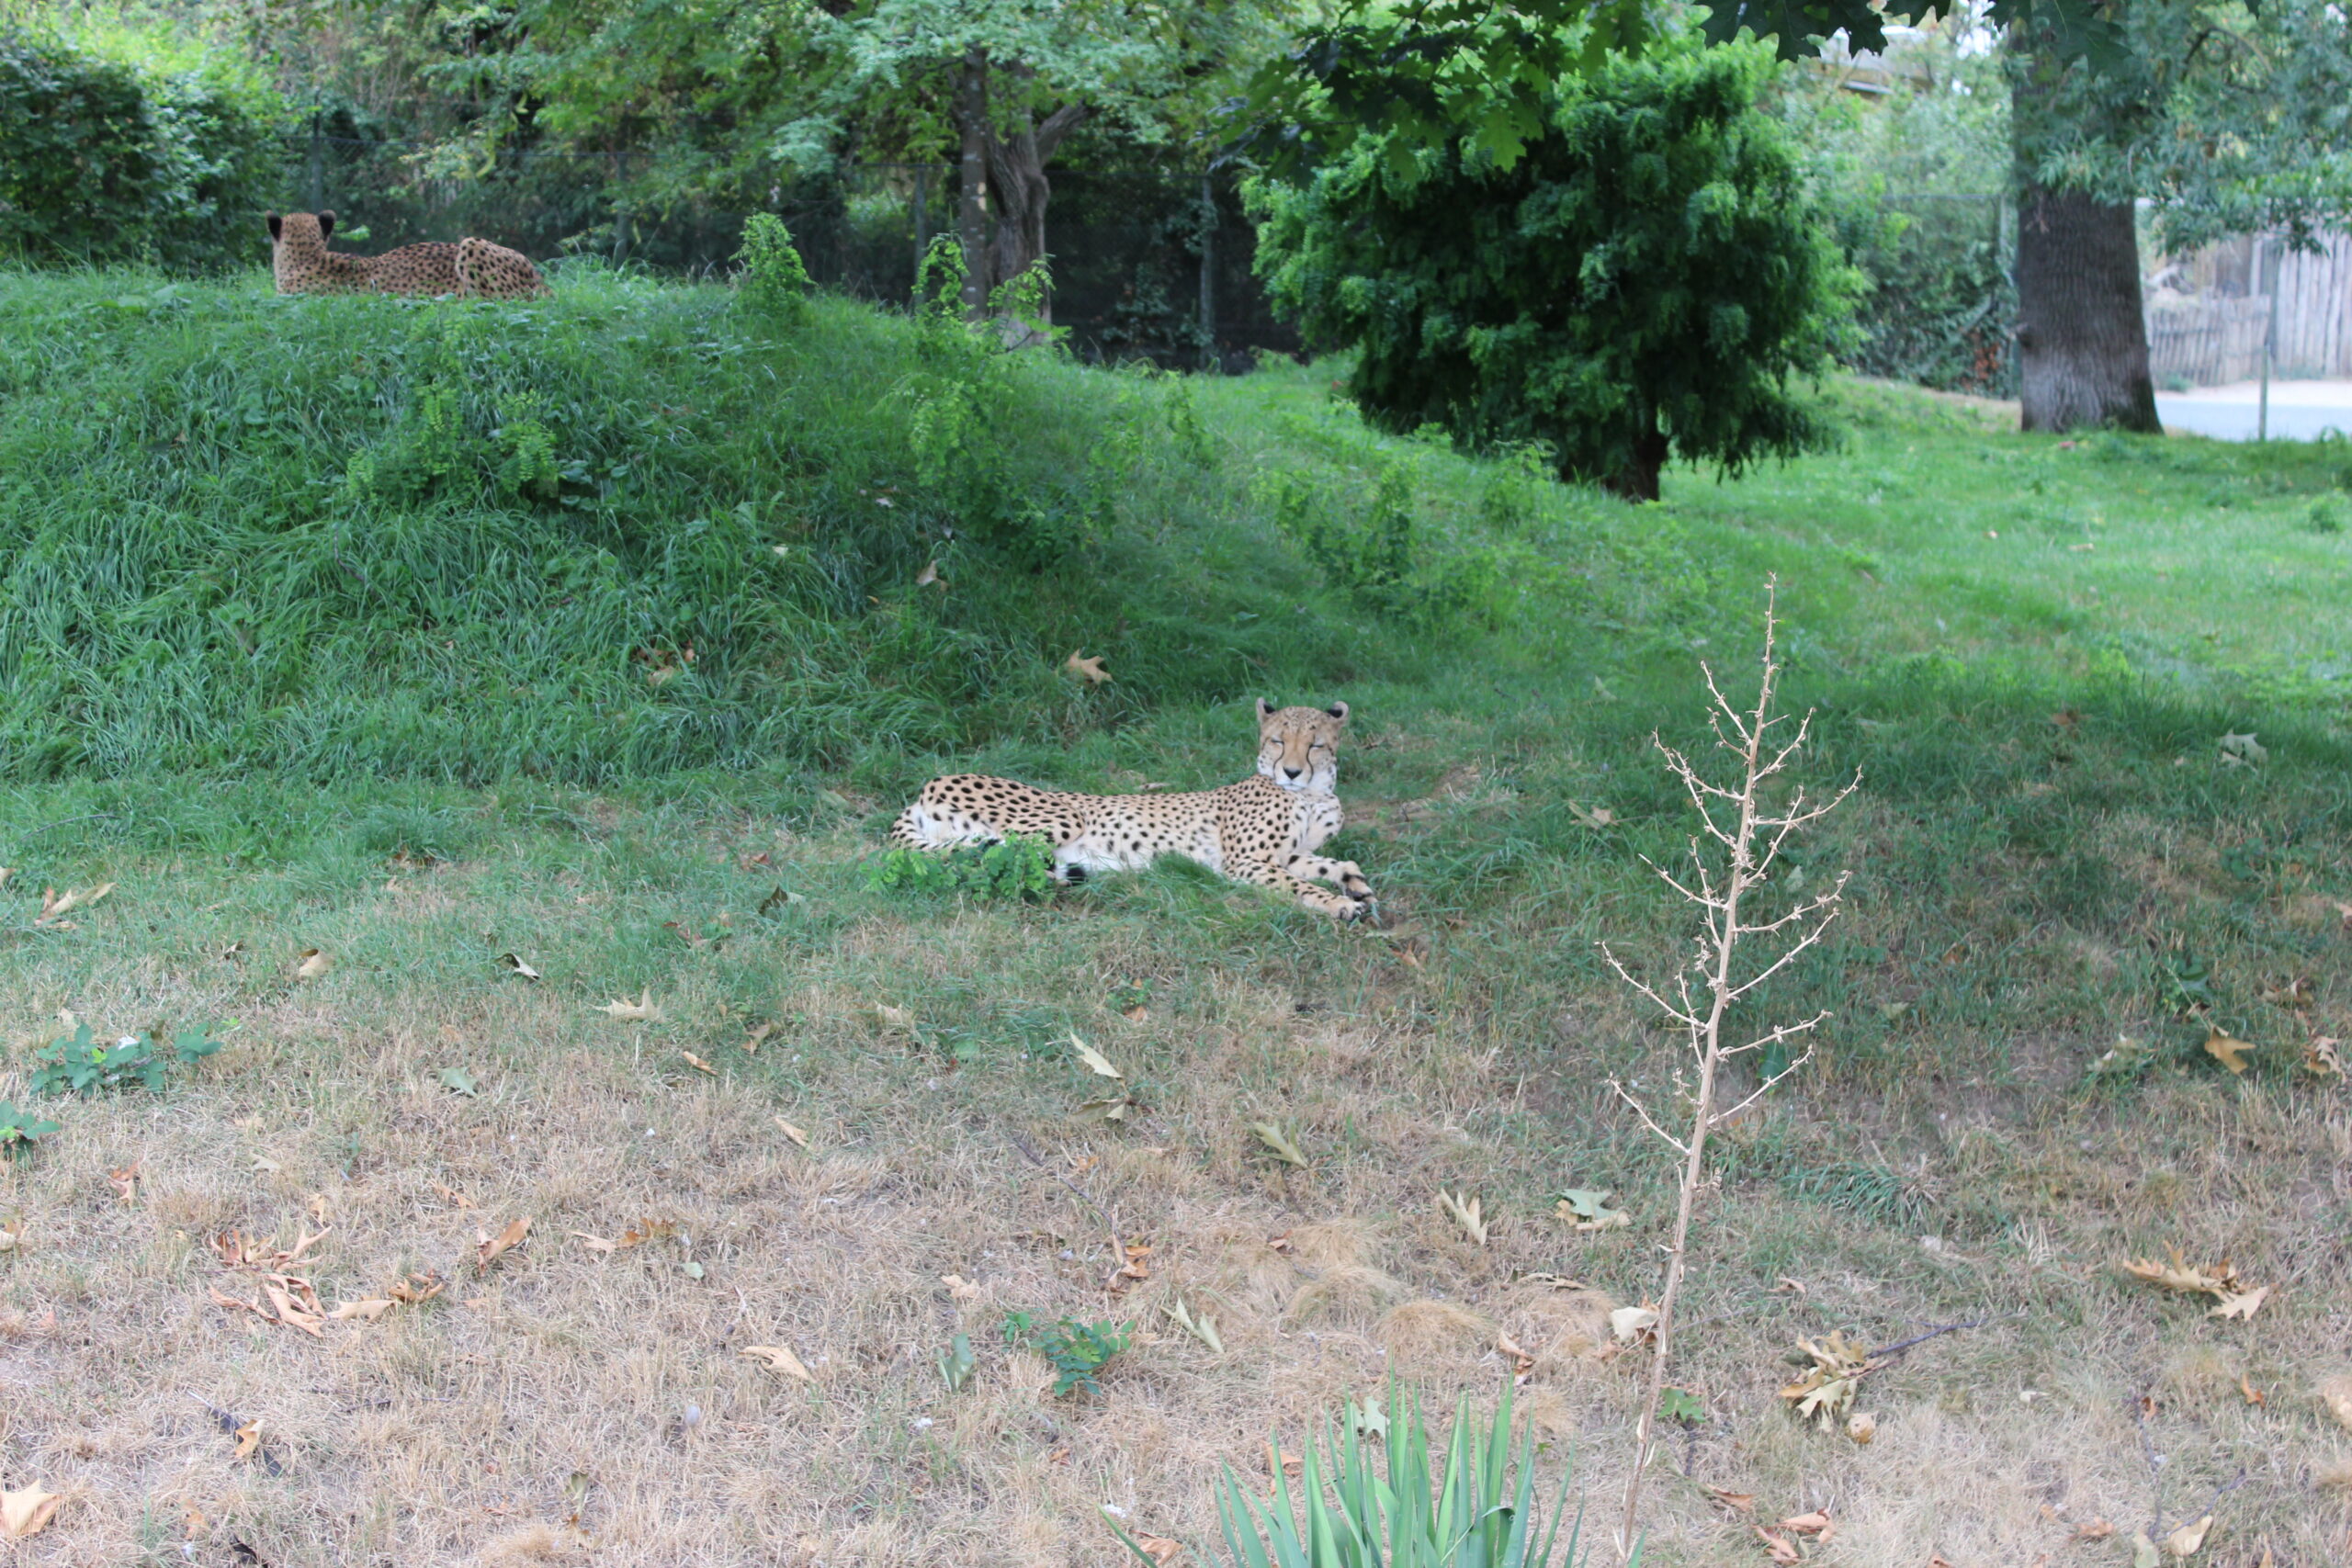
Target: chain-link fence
1146, 263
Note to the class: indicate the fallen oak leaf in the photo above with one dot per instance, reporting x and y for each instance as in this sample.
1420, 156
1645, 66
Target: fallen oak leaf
1160, 1548
2227, 1051
794, 1133
367, 1311
54, 904
642, 1011
2098, 1529
752, 1044
1090, 670
518, 966
1814, 1523
487, 1250
254, 1307
248, 1438
778, 1359
27, 1513
297, 1303
2242, 1304
2189, 1539
1779, 1547
1732, 1501
1630, 1324
312, 963
2324, 1058
126, 1183
699, 1065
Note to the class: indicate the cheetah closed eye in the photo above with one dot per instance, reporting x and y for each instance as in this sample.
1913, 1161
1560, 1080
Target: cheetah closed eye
1264, 829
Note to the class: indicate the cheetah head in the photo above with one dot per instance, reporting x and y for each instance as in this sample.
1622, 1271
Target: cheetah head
300, 233
1299, 748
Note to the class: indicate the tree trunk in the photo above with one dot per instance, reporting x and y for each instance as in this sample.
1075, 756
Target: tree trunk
1017, 176
971, 202
1637, 481
2082, 339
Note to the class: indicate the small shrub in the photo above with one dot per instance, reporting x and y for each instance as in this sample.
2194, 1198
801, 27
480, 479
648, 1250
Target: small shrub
18, 1129
83, 1066
773, 278
2324, 517
1018, 869
1376, 554
1077, 1350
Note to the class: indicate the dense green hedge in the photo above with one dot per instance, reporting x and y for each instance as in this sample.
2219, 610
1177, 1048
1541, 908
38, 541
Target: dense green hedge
102, 161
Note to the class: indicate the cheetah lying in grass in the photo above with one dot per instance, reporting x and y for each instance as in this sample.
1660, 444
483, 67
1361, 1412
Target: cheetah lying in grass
301, 263
1263, 829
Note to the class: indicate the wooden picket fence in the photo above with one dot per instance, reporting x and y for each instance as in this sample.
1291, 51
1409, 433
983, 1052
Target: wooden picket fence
2215, 337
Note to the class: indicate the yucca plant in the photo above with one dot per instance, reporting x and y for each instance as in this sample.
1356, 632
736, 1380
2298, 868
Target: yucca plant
1354, 1512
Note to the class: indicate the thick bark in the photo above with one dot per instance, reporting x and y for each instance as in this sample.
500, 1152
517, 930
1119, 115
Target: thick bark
971, 203
1638, 479
1004, 176
1017, 176
2082, 340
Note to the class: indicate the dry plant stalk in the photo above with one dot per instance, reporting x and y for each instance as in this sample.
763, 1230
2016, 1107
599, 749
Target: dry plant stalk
1724, 874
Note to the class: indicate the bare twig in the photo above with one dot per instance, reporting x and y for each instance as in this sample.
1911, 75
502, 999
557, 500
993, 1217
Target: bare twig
1118, 1250
1937, 1332
1749, 848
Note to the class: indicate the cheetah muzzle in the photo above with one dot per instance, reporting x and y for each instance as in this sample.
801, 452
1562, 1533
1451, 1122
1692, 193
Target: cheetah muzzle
1264, 829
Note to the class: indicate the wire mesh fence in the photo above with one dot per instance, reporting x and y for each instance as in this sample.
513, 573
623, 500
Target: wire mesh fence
1146, 263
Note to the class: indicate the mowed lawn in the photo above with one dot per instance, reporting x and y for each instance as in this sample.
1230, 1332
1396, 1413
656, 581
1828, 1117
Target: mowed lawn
855, 1124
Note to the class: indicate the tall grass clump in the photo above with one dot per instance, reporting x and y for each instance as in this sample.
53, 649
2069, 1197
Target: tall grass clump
1364, 1505
626, 530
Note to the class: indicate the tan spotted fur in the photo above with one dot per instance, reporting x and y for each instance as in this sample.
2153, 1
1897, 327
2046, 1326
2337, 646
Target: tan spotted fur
1264, 829
301, 263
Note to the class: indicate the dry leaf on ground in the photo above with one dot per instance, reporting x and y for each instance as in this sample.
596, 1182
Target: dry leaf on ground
1278, 1143
54, 905
248, 1438
1862, 1426
2324, 1058
642, 1011
2238, 1298
1827, 1390
27, 1512
2098, 1529
1732, 1501
2336, 1394
2189, 1539
487, 1250
1095, 1061
794, 1133
1814, 1523
1587, 1209
2227, 1051
1779, 1548
312, 963
1159, 1548
297, 1303
1630, 1324
1466, 1212
126, 1183
1091, 669
778, 1359
367, 1311
518, 966
698, 1064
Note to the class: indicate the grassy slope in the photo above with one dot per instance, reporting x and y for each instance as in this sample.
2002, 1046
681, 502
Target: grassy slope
2019, 885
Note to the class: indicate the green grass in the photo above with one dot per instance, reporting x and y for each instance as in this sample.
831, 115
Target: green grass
408, 721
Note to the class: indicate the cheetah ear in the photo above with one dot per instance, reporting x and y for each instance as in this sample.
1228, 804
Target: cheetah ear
1263, 711
276, 224
326, 223
1339, 712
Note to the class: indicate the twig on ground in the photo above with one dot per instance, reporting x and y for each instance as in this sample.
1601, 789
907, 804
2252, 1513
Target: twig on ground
1942, 1328
1110, 1229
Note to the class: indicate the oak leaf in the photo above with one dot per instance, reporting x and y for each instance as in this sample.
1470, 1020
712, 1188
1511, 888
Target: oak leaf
297, 1303
699, 1065
1814, 1523
312, 963
1278, 1143
1090, 670
1779, 1548
248, 1438
1732, 1501
794, 1133
1097, 1063
1631, 1324
486, 1250
2324, 1058
2189, 1539
1826, 1391
518, 966
2240, 1304
2226, 1050
778, 1359
1587, 1209
27, 1513
642, 1011
366, 1311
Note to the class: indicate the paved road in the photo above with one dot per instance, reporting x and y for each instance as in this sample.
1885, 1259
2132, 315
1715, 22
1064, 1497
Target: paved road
2300, 410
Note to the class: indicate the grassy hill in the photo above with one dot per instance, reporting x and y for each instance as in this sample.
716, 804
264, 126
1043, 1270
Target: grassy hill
360, 625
